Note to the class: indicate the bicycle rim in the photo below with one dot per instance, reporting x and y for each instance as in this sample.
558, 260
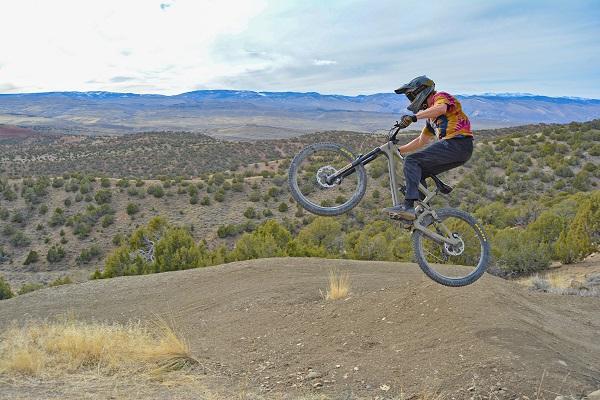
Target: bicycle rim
457, 265
310, 178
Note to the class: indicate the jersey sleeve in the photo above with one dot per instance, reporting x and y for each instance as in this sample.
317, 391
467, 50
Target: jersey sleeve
443, 98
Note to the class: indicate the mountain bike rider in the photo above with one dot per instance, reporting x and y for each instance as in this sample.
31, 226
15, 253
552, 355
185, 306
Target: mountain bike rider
444, 119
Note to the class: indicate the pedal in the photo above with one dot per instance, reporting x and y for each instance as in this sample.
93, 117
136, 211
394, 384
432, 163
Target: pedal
406, 224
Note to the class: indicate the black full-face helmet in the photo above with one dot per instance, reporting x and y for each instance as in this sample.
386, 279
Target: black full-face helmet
417, 92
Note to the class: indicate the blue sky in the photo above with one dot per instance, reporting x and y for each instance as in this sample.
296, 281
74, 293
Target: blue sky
344, 47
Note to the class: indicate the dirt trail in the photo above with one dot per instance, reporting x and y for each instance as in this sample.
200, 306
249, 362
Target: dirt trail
263, 325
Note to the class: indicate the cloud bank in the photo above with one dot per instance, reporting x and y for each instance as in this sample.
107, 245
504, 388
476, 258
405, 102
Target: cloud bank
345, 47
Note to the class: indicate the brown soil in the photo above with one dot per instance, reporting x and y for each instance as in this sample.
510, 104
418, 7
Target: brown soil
11, 131
263, 326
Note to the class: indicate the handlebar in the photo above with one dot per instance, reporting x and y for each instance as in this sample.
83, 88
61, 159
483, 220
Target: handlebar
392, 136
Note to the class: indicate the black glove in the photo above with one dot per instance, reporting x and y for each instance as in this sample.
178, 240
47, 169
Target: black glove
406, 120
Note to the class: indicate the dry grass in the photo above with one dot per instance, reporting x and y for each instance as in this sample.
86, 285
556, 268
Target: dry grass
70, 347
339, 285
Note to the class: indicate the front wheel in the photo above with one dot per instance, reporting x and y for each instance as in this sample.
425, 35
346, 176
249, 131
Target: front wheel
308, 175
458, 265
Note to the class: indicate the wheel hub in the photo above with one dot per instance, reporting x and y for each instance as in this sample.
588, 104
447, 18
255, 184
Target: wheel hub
323, 173
455, 250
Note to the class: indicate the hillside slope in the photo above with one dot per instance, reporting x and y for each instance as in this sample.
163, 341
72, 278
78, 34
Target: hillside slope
262, 324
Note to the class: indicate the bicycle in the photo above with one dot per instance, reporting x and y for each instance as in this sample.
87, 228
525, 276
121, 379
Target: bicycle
450, 246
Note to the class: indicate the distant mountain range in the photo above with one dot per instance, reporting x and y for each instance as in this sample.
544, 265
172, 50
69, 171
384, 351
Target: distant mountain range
248, 114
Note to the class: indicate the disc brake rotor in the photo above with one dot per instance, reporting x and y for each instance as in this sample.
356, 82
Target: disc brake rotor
322, 175
455, 250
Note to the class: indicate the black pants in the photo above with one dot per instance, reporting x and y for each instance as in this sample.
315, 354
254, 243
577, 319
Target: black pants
439, 157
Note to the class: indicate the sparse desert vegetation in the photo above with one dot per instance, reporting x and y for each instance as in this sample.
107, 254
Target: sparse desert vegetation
52, 349
339, 285
516, 184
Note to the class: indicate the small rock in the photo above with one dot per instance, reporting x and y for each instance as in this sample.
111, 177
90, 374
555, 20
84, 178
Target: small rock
595, 395
385, 388
471, 388
575, 284
356, 368
337, 365
313, 375
318, 385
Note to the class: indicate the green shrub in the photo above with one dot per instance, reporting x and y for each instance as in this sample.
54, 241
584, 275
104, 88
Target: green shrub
519, 251
30, 287
57, 218
268, 240
58, 182
156, 191
237, 186
323, 233
224, 231
582, 236
89, 254
219, 196
31, 258
9, 195
254, 196
174, 250
564, 171
55, 254
103, 196
205, 201
65, 280
582, 181
132, 209
105, 182
250, 213
5, 290
4, 256
19, 239
107, 220
192, 190
283, 207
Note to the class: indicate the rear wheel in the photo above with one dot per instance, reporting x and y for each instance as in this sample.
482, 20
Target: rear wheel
308, 175
458, 265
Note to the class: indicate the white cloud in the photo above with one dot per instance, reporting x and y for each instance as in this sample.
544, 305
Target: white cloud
324, 62
64, 44
172, 46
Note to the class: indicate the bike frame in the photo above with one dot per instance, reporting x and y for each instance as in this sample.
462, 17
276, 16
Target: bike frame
391, 151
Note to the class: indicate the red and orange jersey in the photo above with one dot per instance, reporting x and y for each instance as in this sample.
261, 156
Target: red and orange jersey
454, 122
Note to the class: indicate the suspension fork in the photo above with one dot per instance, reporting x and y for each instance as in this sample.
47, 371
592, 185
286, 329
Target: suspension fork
448, 238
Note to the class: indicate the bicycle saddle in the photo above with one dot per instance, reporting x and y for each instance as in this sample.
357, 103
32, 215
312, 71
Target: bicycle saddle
442, 187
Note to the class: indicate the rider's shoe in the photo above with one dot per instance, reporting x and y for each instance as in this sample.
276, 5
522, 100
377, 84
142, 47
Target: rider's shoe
402, 211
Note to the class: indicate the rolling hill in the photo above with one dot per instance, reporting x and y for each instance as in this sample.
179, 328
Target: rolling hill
259, 115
